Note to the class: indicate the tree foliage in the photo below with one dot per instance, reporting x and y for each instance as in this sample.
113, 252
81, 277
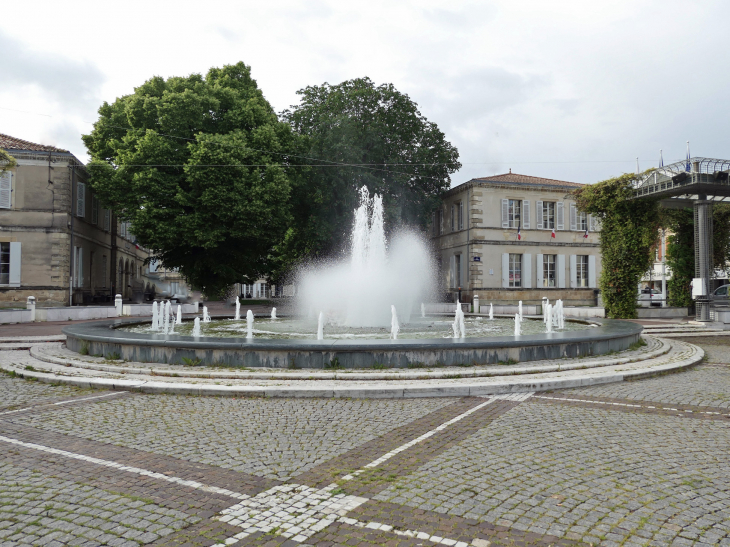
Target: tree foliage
199, 165
385, 144
628, 232
6, 161
681, 248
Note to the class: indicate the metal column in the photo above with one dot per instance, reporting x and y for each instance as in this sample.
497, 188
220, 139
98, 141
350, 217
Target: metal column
703, 257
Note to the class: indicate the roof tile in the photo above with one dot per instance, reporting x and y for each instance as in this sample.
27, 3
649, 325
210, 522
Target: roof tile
12, 143
526, 179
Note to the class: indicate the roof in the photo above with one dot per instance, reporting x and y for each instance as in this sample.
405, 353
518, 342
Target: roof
514, 178
12, 143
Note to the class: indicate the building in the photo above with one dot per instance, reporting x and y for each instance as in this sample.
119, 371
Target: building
56, 242
514, 237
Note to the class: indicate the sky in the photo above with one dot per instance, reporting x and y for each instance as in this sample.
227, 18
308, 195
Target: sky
570, 90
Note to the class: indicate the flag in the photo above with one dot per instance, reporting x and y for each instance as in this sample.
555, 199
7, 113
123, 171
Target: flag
586, 233
661, 159
553, 234
519, 233
687, 166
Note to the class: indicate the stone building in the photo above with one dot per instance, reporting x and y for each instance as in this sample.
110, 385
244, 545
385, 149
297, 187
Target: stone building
56, 242
515, 237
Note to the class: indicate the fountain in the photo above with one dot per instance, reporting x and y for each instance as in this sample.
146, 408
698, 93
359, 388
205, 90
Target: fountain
519, 310
320, 327
238, 310
249, 324
355, 297
165, 316
273, 313
458, 326
155, 317
179, 315
548, 311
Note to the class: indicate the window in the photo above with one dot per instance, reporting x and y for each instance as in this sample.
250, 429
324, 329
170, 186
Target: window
548, 270
78, 280
514, 214
461, 215
582, 221
4, 263
123, 229
107, 219
80, 199
548, 215
581, 271
6, 186
515, 270
94, 210
453, 218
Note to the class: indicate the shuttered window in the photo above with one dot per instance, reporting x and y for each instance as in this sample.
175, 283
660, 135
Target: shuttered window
6, 185
94, 210
107, 219
80, 199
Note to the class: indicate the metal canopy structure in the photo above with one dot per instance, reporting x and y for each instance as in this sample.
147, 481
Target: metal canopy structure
696, 183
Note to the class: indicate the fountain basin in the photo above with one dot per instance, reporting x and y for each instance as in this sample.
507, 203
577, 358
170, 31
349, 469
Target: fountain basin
106, 338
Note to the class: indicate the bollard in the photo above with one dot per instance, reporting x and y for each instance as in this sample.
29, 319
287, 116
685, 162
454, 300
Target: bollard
30, 305
118, 304
476, 304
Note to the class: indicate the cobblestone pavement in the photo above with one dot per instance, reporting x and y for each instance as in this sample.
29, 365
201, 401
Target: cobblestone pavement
640, 463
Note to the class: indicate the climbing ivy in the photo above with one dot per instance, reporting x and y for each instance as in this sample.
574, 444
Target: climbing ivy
629, 229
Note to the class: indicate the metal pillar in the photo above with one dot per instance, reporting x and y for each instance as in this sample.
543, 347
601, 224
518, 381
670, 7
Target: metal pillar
703, 257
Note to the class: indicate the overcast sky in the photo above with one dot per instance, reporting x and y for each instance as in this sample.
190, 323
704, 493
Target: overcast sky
567, 90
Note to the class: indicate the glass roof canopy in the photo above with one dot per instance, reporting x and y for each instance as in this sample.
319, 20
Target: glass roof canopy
696, 177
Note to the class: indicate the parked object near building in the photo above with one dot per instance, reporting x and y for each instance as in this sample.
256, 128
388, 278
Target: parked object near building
515, 237
56, 242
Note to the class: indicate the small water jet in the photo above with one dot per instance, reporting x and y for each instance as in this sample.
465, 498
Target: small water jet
273, 313
518, 325
548, 311
519, 310
458, 326
196, 327
238, 310
394, 326
491, 312
320, 327
249, 324
165, 316
206, 317
155, 317
423, 310
179, 315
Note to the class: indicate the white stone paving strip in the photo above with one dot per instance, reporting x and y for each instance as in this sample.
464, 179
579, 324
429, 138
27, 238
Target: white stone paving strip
293, 511
65, 402
630, 405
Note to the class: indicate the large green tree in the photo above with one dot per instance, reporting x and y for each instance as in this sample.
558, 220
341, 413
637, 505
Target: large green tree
200, 166
362, 134
629, 230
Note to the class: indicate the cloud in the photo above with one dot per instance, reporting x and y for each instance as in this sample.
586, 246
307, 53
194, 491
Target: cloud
74, 84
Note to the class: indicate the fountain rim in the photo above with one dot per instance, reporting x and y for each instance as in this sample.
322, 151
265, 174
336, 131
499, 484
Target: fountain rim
107, 331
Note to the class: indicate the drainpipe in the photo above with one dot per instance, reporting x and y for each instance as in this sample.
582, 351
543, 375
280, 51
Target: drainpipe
71, 269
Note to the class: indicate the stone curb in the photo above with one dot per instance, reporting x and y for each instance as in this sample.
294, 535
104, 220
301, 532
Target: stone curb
37, 352
393, 392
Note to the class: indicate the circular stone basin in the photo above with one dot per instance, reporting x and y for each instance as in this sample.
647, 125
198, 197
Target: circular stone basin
306, 329
110, 339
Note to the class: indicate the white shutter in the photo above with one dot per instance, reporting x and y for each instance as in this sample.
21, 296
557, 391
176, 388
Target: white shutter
560, 267
80, 199
527, 271
591, 223
14, 278
573, 271
573, 219
592, 271
538, 205
538, 270
526, 214
5, 190
505, 270
560, 225
505, 213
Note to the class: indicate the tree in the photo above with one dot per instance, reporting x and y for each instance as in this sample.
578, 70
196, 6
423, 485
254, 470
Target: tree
7, 161
363, 134
199, 166
629, 229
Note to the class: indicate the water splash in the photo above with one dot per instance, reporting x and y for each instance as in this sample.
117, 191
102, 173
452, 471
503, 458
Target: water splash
423, 310
394, 325
249, 325
358, 291
196, 327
